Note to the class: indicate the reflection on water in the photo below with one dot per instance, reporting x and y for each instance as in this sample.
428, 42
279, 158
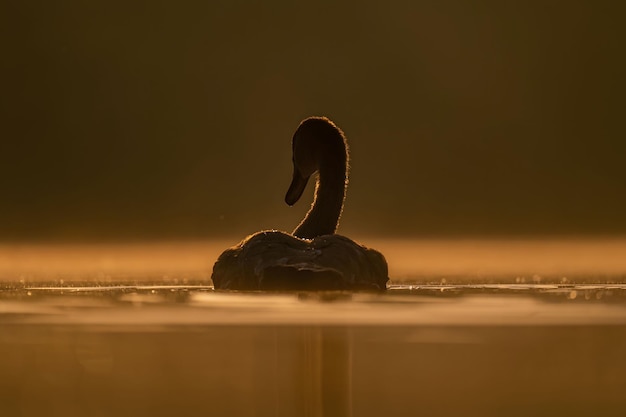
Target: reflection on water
144, 334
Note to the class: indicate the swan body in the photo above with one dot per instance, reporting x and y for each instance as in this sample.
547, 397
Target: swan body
313, 257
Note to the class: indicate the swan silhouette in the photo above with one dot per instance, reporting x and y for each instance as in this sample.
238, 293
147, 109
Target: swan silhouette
313, 257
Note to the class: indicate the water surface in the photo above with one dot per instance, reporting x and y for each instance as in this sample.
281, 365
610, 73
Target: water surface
467, 328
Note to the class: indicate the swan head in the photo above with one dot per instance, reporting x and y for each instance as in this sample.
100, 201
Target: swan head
317, 145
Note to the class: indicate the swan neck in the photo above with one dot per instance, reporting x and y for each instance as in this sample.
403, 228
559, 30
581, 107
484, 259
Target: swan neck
330, 192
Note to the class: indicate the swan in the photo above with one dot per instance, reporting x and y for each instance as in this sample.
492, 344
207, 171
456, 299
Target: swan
313, 257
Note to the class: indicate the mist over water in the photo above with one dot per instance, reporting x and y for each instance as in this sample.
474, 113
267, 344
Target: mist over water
410, 260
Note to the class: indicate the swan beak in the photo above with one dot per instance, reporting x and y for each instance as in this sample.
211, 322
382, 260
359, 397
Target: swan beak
298, 184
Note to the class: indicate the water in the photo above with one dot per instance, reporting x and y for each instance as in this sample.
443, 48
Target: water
468, 328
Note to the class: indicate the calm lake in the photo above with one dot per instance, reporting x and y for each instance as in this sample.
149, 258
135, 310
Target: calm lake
468, 327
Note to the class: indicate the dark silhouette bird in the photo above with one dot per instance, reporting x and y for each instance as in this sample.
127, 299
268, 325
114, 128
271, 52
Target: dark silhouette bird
313, 257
